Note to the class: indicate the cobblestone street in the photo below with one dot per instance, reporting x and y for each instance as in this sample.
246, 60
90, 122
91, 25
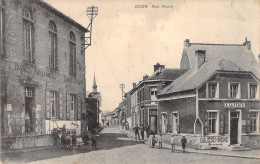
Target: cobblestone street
115, 147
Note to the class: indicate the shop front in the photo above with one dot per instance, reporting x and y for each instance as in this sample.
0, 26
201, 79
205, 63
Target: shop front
153, 120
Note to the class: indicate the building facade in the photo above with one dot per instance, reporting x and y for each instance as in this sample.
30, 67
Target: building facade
216, 102
44, 69
144, 96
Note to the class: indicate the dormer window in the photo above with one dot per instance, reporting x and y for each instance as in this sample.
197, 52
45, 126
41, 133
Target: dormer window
201, 57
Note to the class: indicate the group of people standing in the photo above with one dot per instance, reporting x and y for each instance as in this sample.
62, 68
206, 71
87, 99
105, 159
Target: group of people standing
153, 139
141, 129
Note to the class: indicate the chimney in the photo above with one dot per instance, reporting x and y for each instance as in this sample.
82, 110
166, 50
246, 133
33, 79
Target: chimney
134, 85
158, 67
186, 43
200, 56
145, 77
247, 44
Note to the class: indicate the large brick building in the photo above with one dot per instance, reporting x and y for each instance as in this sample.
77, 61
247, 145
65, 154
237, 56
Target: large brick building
144, 95
43, 65
216, 102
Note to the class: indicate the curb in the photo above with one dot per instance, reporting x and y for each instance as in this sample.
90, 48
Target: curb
213, 154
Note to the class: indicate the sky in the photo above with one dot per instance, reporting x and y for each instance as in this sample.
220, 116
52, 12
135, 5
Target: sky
127, 40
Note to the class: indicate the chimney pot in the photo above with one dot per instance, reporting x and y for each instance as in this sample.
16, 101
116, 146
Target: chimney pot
186, 43
247, 44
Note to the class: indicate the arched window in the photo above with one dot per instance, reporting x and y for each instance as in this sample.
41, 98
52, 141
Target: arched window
53, 45
72, 45
28, 34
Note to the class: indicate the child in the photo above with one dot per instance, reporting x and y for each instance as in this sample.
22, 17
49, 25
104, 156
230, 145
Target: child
94, 141
153, 141
160, 141
172, 140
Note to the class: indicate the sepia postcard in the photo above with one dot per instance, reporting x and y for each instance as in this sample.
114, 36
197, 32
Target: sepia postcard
130, 82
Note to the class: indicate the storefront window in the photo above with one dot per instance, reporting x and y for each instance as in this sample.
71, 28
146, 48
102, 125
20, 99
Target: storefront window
253, 121
212, 119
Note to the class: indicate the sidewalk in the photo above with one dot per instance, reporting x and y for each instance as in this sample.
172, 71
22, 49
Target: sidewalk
252, 154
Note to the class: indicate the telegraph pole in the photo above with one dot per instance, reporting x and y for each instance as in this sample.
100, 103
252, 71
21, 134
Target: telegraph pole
122, 86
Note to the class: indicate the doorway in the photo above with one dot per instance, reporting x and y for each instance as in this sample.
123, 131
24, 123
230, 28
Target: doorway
164, 122
30, 115
234, 119
153, 123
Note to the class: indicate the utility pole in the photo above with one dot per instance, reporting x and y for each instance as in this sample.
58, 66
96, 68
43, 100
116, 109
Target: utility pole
122, 86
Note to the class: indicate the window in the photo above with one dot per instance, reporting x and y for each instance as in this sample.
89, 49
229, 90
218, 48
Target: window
153, 93
252, 91
53, 47
73, 105
212, 122
54, 107
28, 35
1, 27
234, 90
72, 45
28, 92
253, 121
201, 57
212, 90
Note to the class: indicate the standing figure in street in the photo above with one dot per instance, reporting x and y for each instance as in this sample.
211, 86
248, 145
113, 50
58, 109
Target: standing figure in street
142, 131
160, 140
94, 141
137, 132
183, 143
27, 124
147, 130
153, 141
172, 140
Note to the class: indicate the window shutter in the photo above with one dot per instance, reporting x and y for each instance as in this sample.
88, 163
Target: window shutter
222, 123
68, 107
178, 123
206, 124
248, 124
61, 106
48, 104
79, 108
160, 122
170, 123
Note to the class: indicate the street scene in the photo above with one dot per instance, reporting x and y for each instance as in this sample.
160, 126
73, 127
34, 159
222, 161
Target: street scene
135, 81
115, 146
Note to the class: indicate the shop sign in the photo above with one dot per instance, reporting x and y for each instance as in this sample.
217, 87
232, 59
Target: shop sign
153, 112
235, 105
214, 139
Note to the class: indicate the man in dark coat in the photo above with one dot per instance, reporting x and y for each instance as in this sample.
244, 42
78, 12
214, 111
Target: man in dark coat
183, 143
136, 129
142, 131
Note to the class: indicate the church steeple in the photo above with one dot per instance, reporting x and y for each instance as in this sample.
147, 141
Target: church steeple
94, 86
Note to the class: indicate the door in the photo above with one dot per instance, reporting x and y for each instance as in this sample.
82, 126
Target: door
164, 122
174, 123
153, 123
30, 115
234, 117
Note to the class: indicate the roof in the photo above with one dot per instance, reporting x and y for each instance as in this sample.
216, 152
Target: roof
237, 53
167, 74
193, 78
70, 20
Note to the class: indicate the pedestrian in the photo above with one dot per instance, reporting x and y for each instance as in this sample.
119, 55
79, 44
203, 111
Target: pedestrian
94, 141
153, 141
183, 143
172, 140
147, 130
142, 131
27, 124
160, 140
74, 139
137, 132
63, 129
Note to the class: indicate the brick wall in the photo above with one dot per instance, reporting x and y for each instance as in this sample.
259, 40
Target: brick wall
186, 109
45, 80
